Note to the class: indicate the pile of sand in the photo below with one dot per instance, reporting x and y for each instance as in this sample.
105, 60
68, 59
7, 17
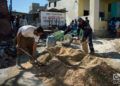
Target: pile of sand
62, 53
92, 70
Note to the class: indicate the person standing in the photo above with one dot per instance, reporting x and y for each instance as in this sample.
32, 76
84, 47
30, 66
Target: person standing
87, 36
87, 20
23, 21
17, 23
117, 24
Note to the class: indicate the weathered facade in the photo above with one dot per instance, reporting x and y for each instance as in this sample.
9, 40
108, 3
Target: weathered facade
35, 7
98, 11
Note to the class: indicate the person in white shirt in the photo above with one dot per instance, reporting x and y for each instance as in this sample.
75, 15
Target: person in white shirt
117, 24
27, 38
23, 21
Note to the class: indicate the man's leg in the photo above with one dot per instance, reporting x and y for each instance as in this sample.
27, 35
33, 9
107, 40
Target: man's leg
78, 33
29, 43
18, 61
91, 44
20, 54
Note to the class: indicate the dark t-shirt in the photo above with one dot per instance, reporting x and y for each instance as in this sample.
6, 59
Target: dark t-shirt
87, 31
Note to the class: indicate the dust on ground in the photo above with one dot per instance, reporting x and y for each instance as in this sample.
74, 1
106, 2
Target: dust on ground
68, 66
90, 70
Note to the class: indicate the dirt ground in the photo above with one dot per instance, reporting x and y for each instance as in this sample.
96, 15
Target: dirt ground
69, 66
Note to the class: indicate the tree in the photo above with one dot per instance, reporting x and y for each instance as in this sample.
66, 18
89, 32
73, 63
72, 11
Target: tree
5, 28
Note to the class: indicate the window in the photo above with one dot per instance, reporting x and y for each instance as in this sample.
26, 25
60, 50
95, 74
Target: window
109, 8
49, 4
86, 12
55, 4
102, 15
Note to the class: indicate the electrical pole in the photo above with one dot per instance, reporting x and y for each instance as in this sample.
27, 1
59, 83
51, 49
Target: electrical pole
10, 7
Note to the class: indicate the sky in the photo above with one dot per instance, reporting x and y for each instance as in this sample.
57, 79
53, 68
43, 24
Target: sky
23, 5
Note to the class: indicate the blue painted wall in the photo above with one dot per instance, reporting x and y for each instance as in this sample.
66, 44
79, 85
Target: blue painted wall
115, 9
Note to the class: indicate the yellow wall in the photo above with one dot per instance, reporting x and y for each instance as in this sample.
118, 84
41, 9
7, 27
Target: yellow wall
80, 7
104, 7
82, 4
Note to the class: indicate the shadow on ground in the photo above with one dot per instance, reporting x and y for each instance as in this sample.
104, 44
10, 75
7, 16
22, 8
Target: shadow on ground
20, 80
113, 55
52, 72
97, 42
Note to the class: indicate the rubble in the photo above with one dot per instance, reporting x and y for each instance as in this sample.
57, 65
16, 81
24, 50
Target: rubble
7, 56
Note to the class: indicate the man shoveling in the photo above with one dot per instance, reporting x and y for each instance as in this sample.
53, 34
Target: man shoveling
27, 38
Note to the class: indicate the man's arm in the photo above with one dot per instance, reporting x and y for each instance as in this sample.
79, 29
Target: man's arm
36, 39
18, 39
34, 48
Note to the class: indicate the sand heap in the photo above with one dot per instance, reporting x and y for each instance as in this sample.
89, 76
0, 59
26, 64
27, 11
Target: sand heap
91, 70
62, 53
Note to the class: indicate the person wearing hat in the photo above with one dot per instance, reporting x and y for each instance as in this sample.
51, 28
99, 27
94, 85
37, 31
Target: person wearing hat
27, 38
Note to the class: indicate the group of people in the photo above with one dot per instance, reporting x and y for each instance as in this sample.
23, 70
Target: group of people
18, 21
84, 33
113, 26
28, 36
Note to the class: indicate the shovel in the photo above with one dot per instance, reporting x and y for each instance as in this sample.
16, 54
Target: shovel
34, 62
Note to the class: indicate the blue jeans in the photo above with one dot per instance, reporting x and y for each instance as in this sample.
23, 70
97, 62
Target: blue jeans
21, 59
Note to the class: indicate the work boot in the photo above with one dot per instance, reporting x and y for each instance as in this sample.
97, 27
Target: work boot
92, 52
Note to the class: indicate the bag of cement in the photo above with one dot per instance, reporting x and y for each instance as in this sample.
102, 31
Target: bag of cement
50, 42
67, 40
59, 35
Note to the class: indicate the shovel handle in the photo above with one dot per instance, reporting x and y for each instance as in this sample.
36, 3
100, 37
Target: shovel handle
27, 53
